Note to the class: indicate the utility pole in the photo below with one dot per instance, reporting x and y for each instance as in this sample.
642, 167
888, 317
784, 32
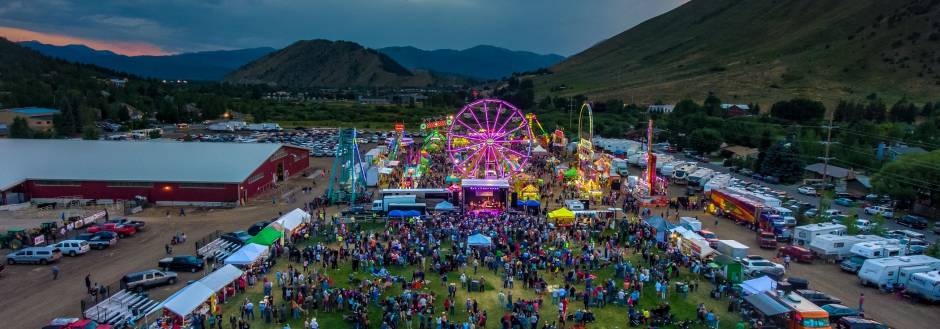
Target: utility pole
826, 159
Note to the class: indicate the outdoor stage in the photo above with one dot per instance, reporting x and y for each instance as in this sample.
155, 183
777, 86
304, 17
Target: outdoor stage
484, 196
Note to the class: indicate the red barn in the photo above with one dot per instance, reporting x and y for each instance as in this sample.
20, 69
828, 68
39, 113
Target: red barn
166, 173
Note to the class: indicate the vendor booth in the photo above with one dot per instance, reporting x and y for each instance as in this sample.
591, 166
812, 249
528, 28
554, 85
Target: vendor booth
192, 299
758, 285
248, 254
444, 206
562, 217
266, 237
291, 223
661, 227
479, 240
690, 243
529, 192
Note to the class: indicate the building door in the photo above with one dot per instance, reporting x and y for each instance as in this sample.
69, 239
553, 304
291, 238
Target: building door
280, 172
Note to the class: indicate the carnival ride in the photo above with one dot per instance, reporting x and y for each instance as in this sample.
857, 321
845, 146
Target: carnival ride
651, 190
489, 138
541, 139
590, 168
559, 139
347, 176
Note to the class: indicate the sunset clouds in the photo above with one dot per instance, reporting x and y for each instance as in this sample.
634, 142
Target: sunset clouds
124, 48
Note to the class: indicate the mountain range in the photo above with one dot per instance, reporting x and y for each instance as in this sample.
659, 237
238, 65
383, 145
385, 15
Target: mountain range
324, 63
479, 63
764, 51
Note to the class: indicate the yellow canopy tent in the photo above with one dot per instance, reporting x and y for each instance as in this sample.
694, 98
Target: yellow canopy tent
530, 192
562, 216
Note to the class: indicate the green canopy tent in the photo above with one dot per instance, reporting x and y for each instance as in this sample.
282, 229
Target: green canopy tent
266, 237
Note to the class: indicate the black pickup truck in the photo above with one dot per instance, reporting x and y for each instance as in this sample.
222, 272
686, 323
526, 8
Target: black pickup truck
139, 225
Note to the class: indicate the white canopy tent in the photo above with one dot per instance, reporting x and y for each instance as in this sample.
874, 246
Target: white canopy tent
247, 254
188, 299
221, 277
291, 220
758, 285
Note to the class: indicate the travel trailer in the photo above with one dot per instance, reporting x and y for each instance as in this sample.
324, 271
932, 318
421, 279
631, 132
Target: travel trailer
925, 285
837, 247
805, 234
887, 272
869, 250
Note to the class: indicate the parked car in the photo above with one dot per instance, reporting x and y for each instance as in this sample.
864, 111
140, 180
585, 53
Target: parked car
186, 263
752, 267
845, 202
837, 311
936, 227
880, 210
767, 240
812, 212
854, 322
796, 253
75, 323
818, 297
257, 227
239, 237
912, 221
121, 229
73, 247
34, 255
100, 240
139, 225
139, 281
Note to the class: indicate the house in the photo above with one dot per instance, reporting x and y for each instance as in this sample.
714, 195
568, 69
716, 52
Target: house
734, 110
739, 152
38, 118
898, 150
117, 82
661, 108
838, 176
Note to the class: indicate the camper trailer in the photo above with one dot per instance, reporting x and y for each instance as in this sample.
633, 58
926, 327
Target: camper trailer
805, 234
669, 168
700, 176
869, 250
719, 181
925, 285
682, 172
886, 272
837, 247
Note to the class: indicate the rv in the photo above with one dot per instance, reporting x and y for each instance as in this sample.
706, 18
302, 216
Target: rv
662, 161
837, 247
681, 173
925, 285
860, 252
719, 181
804, 234
700, 176
886, 272
669, 168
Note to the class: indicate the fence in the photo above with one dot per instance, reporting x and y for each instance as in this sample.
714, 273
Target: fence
208, 238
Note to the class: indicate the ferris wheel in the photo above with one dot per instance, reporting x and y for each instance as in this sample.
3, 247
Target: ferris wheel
489, 138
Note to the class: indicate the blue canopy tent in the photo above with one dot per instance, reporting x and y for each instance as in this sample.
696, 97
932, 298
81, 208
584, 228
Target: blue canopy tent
661, 225
396, 213
411, 213
528, 203
444, 206
479, 240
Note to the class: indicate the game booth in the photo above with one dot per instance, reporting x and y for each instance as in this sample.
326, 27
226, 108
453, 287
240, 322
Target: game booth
562, 217
484, 196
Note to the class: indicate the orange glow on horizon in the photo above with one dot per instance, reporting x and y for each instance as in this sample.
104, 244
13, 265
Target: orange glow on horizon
119, 47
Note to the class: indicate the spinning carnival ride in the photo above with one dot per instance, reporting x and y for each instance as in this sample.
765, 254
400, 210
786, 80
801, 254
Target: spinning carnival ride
489, 138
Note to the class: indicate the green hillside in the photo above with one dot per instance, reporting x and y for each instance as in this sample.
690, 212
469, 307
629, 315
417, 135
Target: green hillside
764, 51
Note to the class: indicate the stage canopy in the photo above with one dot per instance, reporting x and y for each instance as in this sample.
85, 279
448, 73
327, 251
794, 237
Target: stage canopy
479, 240
266, 237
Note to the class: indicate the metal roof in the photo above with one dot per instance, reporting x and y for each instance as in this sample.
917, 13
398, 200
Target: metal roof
134, 161
833, 171
766, 304
34, 111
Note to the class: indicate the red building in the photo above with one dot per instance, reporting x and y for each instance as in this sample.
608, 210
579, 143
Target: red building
165, 173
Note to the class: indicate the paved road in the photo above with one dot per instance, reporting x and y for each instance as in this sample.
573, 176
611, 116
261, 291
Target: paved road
792, 191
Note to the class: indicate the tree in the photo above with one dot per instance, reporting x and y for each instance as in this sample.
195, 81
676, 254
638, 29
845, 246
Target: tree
712, 104
91, 133
705, 140
798, 110
910, 178
902, 111
20, 128
783, 160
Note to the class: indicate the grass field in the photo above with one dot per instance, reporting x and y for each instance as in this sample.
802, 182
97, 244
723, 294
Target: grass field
611, 316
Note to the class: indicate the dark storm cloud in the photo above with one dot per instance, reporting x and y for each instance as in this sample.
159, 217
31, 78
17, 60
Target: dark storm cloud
563, 27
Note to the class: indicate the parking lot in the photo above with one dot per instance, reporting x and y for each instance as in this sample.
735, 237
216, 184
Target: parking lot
32, 297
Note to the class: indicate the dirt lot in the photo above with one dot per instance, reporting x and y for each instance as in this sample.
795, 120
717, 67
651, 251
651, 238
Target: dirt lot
828, 278
31, 298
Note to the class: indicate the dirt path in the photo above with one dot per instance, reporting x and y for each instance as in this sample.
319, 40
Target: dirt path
30, 298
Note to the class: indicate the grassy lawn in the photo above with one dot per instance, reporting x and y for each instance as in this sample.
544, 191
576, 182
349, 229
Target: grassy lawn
610, 316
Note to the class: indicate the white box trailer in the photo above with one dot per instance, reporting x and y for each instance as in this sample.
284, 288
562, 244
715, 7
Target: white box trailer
837, 247
731, 248
925, 285
884, 272
804, 235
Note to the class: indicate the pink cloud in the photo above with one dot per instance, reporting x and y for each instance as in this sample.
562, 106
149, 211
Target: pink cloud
124, 48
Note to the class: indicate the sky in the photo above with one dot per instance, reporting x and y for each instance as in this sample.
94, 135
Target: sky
156, 27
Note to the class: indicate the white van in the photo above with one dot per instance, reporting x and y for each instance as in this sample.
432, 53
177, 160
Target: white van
926, 285
574, 205
73, 247
884, 272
